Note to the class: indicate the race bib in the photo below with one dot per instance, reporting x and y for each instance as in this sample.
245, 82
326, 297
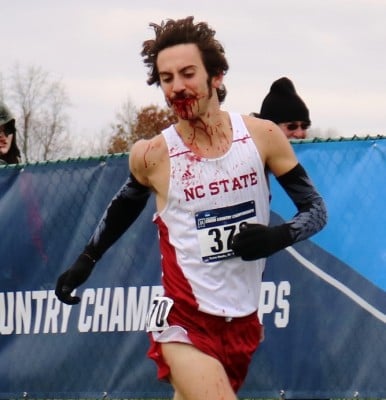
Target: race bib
156, 319
217, 227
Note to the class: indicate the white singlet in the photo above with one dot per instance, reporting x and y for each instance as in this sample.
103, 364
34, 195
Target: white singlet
208, 200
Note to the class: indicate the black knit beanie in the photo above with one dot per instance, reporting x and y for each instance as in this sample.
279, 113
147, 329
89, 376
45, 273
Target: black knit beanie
282, 103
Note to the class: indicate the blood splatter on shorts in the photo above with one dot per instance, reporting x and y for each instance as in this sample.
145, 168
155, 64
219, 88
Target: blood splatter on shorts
232, 341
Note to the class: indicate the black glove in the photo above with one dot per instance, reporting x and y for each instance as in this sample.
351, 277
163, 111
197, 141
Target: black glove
259, 241
74, 277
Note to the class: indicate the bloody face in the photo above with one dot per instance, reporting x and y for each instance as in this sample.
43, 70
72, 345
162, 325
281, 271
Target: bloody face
184, 80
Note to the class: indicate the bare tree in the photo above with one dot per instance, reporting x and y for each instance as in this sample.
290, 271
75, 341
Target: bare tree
41, 120
52, 140
120, 138
84, 147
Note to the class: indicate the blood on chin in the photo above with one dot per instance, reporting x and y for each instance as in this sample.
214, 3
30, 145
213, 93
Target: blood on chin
184, 106
183, 115
183, 112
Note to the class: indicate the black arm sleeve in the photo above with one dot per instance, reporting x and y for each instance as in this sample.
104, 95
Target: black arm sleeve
256, 241
122, 211
312, 214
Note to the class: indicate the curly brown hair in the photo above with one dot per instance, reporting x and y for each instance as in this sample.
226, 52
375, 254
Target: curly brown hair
182, 31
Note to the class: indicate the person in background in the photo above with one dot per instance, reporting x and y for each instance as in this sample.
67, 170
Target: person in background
9, 152
207, 173
285, 107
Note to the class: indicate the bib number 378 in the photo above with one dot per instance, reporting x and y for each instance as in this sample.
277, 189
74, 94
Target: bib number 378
156, 319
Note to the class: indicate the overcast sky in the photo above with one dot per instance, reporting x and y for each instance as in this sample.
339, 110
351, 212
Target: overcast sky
333, 50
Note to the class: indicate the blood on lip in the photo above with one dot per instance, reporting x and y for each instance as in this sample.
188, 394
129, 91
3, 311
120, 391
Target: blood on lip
183, 105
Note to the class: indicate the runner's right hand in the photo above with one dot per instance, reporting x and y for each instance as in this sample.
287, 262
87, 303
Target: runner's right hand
74, 277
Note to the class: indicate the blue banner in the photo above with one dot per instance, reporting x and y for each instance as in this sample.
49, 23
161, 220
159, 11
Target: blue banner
323, 301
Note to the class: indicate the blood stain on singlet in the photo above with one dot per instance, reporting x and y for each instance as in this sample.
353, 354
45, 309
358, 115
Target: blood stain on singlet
193, 158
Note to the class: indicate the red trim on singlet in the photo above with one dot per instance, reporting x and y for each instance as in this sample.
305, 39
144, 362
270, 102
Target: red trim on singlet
181, 153
175, 285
